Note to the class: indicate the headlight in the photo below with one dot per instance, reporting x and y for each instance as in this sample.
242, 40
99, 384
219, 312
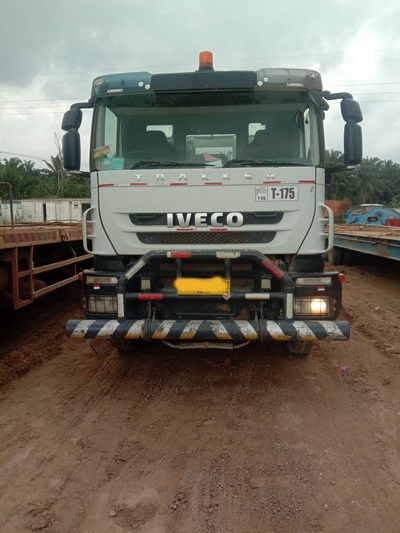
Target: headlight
311, 307
102, 304
319, 306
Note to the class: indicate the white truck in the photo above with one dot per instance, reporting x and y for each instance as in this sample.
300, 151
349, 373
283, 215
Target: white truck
207, 218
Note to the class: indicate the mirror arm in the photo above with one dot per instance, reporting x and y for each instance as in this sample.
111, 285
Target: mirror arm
341, 168
336, 96
83, 105
83, 173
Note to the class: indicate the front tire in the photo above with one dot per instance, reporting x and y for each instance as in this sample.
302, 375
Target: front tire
335, 255
299, 347
126, 346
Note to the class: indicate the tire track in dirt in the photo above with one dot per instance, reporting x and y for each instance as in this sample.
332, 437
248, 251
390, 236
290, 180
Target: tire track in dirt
164, 441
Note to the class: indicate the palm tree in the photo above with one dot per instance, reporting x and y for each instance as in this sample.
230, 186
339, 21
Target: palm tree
337, 182
370, 183
56, 172
56, 168
24, 183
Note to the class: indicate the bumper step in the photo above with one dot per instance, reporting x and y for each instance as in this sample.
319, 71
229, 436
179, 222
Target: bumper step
209, 330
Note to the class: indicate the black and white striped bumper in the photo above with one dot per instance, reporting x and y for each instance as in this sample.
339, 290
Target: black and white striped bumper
209, 330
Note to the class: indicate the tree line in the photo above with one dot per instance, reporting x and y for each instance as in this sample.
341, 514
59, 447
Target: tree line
373, 181
27, 181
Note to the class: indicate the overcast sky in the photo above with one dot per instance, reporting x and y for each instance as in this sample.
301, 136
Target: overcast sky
50, 51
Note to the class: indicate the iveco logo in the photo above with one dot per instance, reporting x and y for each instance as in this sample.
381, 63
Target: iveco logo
202, 220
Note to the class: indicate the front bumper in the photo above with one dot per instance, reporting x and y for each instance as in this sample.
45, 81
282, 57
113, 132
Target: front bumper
209, 330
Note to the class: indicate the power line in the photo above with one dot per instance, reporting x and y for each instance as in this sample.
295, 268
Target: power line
33, 157
135, 69
270, 58
64, 107
8, 141
16, 114
21, 155
35, 107
41, 113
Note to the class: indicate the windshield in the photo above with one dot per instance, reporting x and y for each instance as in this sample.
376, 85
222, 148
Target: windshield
242, 128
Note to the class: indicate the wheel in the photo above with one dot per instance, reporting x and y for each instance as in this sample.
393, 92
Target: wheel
307, 263
335, 255
348, 257
299, 347
126, 345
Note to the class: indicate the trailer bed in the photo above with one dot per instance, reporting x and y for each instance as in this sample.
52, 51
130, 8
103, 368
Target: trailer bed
38, 258
382, 241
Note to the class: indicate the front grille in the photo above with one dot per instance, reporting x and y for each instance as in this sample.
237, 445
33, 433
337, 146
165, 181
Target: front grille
160, 219
207, 237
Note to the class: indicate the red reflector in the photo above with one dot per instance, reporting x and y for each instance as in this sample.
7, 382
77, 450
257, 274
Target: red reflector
177, 184
107, 185
213, 183
273, 268
180, 255
342, 278
218, 229
80, 276
138, 183
150, 296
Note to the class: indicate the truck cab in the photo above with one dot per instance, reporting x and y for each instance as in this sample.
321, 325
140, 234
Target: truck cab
207, 220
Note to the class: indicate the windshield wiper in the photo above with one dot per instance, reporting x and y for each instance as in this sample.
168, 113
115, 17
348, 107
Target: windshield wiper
261, 163
149, 164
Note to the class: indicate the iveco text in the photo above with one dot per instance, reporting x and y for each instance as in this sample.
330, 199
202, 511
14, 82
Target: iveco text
202, 220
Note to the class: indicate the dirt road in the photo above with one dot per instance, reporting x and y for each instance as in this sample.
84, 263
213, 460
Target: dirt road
205, 441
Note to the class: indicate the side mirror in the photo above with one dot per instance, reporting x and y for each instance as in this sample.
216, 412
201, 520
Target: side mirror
351, 110
72, 150
72, 119
352, 144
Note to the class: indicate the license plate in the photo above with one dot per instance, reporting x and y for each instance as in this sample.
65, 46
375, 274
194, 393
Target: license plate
199, 286
283, 193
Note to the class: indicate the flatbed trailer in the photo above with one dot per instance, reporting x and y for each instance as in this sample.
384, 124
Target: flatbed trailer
382, 241
36, 259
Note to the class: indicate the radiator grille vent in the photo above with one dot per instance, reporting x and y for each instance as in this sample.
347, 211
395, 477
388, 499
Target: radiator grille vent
207, 237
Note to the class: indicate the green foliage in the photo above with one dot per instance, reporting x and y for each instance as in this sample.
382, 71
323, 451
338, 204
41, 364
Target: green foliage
22, 176
76, 186
373, 181
63, 184
30, 182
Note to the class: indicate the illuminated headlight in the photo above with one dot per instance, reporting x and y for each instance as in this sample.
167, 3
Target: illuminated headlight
102, 304
101, 280
319, 306
324, 281
311, 306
